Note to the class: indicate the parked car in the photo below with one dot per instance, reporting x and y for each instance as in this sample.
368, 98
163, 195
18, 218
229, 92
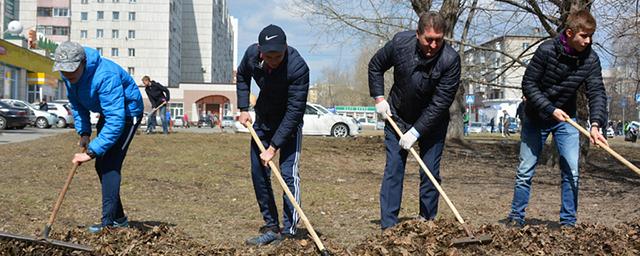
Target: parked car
13, 117
63, 111
513, 125
610, 132
319, 121
632, 132
227, 122
177, 122
476, 127
38, 118
145, 117
93, 115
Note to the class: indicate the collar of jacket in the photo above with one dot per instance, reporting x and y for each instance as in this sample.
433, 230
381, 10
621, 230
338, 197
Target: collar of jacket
561, 53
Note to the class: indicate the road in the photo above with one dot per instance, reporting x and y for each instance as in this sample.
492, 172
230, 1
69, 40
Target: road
28, 133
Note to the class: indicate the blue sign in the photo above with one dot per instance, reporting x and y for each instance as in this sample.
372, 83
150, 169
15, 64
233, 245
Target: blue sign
470, 99
638, 97
623, 102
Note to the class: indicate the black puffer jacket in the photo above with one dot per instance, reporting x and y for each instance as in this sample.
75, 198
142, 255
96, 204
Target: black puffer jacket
283, 92
423, 89
552, 79
157, 94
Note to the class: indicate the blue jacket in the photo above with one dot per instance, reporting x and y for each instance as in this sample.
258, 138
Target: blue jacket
107, 89
283, 92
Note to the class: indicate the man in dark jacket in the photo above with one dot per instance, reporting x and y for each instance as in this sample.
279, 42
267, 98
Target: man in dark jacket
426, 78
556, 71
157, 95
283, 78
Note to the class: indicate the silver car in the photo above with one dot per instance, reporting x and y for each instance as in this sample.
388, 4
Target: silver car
38, 118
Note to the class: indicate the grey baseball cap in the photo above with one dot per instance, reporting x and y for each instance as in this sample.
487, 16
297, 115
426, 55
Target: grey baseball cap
68, 56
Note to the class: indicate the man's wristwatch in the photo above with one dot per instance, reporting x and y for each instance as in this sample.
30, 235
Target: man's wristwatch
91, 154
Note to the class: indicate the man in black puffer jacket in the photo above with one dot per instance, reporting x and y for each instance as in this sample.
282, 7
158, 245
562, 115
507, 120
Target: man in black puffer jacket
426, 77
550, 83
283, 78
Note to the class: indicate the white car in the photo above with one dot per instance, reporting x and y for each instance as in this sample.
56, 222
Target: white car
63, 111
38, 118
319, 121
475, 127
227, 122
93, 115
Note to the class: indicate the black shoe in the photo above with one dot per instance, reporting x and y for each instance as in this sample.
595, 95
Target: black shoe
264, 238
511, 223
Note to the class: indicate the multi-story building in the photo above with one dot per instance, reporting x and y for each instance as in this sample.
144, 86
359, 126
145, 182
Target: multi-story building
144, 37
494, 78
51, 18
207, 42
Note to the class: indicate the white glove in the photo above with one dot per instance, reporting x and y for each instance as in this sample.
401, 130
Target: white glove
407, 140
383, 109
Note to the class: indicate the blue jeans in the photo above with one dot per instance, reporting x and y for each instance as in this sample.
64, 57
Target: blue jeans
109, 169
261, 177
533, 137
431, 146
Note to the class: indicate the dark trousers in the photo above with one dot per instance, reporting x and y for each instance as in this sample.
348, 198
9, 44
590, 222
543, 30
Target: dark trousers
109, 166
431, 146
261, 176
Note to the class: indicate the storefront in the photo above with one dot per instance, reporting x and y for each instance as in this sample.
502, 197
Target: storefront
27, 75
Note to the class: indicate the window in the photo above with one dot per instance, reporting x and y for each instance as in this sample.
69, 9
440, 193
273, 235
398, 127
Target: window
132, 52
131, 70
525, 46
115, 33
116, 15
100, 1
99, 49
84, 16
100, 15
132, 34
33, 92
83, 34
115, 52
115, 1
60, 12
132, 1
60, 31
132, 15
99, 33
84, 2
45, 11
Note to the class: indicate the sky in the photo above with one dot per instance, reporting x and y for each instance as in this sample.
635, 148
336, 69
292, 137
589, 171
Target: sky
318, 51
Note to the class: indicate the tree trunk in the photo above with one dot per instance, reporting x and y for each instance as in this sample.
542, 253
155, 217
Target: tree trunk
450, 10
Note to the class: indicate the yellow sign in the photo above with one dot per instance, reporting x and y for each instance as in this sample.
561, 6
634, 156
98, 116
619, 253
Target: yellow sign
26, 59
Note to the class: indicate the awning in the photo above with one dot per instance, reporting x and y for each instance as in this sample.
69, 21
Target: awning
23, 58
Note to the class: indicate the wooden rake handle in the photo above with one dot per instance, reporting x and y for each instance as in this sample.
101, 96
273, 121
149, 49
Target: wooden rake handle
433, 179
63, 192
605, 147
158, 107
284, 186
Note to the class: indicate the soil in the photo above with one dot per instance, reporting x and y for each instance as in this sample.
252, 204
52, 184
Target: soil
191, 194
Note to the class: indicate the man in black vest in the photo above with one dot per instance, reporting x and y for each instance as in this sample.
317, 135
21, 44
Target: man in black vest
426, 78
550, 84
157, 95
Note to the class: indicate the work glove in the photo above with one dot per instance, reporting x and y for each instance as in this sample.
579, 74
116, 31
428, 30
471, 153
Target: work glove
383, 109
407, 140
84, 141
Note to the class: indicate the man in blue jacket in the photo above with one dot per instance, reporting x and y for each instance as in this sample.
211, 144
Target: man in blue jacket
99, 85
550, 84
283, 78
426, 76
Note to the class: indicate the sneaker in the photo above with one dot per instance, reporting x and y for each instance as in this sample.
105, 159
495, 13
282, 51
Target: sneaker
121, 222
264, 239
94, 229
512, 223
